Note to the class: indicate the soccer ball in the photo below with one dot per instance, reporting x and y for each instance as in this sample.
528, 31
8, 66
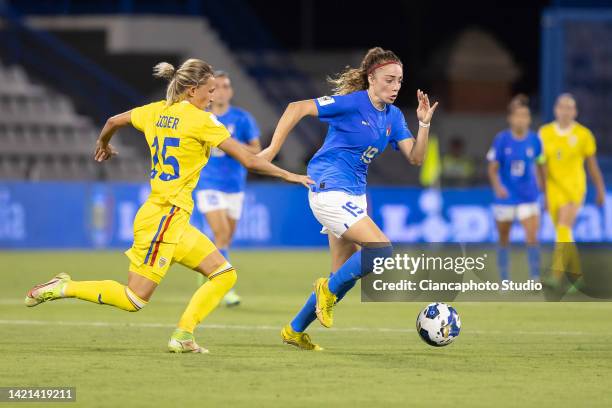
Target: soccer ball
438, 324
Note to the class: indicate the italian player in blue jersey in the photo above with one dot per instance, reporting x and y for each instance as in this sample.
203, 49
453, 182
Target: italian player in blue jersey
220, 191
516, 174
362, 122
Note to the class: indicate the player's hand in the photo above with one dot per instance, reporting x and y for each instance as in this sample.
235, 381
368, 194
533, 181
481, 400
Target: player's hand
266, 154
104, 152
501, 192
299, 179
424, 111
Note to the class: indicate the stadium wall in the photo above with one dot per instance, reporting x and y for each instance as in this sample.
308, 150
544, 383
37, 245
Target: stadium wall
576, 57
95, 215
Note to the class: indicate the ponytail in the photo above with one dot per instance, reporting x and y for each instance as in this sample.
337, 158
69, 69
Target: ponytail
192, 72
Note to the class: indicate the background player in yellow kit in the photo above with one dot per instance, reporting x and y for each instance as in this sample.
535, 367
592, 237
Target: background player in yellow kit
567, 146
180, 135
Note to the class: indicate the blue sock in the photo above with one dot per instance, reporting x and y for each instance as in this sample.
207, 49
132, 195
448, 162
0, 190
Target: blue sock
344, 289
353, 269
533, 258
225, 253
348, 273
340, 283
503, 261
306, 315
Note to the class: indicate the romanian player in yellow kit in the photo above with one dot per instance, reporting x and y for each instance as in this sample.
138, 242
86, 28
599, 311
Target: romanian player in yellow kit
567, 147
180, 134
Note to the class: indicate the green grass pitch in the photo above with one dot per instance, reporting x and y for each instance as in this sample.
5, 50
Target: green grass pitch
508, 354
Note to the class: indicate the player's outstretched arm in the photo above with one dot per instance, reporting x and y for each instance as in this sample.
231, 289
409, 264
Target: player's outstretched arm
414, 151
104, 150
254, 146
596, 176
259, 165
293, 114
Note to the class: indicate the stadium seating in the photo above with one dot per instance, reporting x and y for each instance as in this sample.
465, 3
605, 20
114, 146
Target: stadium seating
42, 137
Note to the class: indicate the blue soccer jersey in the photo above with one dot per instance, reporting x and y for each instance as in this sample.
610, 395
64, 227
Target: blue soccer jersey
517, 165
358, 132
224, 173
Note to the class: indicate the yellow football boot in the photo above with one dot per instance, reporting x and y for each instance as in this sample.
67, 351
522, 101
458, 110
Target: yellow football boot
325, 302
299, 340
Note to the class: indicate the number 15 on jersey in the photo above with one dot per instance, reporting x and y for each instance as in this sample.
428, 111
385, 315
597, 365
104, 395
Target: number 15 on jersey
166, 159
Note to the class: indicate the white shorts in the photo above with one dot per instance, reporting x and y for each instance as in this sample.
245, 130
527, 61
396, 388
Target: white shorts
212, 200
337, 211
507, 213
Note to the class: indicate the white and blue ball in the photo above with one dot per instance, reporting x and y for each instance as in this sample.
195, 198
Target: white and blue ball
438, 324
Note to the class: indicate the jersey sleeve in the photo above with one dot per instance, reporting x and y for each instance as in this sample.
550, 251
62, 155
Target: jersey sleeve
140, 115
539, 151
213, 132
590, 147
542, 138
332, 108
399, 130
250, 130
494, 153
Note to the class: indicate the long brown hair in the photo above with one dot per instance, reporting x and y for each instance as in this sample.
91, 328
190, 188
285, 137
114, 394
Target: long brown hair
356, 79
192, 72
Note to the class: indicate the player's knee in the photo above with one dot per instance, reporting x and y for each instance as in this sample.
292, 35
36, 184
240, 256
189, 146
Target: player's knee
225, 274
373, 255
228, 279
233, 278
135, 302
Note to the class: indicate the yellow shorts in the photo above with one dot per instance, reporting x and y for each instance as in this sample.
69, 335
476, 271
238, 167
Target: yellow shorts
162, 236
555, 200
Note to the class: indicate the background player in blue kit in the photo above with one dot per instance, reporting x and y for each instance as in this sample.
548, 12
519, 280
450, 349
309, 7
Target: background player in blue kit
516, 174
220, 191
362, 122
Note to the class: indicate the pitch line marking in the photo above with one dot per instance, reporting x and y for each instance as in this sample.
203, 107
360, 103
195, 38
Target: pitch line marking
18, 322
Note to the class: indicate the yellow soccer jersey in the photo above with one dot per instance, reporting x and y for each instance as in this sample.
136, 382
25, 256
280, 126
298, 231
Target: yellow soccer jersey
564, 154
180, 137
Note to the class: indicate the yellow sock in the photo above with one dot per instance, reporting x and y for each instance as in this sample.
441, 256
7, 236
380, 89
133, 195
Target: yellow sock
564, 233
207, 297
105, 292
566, 258
559, 261
574, 266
